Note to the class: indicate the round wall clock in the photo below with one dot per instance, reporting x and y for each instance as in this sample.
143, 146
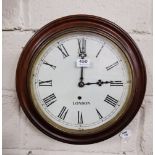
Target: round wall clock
81, 79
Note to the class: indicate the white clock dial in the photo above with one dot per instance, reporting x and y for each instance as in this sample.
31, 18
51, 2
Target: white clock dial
80, 96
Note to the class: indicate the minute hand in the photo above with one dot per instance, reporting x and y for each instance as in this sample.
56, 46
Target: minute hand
82, 55
81, 77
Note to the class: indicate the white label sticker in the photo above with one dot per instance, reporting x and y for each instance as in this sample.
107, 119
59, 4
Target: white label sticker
83, 63
125, 134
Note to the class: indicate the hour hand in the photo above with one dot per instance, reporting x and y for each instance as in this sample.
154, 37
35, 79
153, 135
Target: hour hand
100, 83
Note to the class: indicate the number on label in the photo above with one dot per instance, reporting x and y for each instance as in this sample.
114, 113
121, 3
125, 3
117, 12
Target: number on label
112, 66
63, 113
63, 50
112, 101
45, 83
80, 118
49, 99
116, 83
99, 114
46, 63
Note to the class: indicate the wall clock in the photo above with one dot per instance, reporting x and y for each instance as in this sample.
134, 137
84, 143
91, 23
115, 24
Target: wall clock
81, 79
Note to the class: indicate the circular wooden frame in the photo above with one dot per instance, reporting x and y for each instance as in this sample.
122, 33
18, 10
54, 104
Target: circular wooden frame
73, 24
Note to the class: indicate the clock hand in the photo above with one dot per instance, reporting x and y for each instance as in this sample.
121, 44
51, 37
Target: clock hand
100, 83
81, 77
81, 83
82, 55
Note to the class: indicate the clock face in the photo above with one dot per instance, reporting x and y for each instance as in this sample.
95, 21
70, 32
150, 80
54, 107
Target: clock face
81, 82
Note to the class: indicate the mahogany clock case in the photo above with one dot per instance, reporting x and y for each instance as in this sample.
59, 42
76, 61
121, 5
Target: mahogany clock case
71, 24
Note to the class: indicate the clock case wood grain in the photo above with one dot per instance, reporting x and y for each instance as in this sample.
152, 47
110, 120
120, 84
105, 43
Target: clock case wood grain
70, 24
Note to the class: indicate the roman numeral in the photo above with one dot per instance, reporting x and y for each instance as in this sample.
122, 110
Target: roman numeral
49, 99
100, 50
116, 83
45, 83
99, 115
82, 48
63, 50
82, 45
112, 66
112, 101
80, 118
63, 113
46, 63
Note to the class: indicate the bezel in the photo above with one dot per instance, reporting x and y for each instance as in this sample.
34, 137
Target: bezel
82, 23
